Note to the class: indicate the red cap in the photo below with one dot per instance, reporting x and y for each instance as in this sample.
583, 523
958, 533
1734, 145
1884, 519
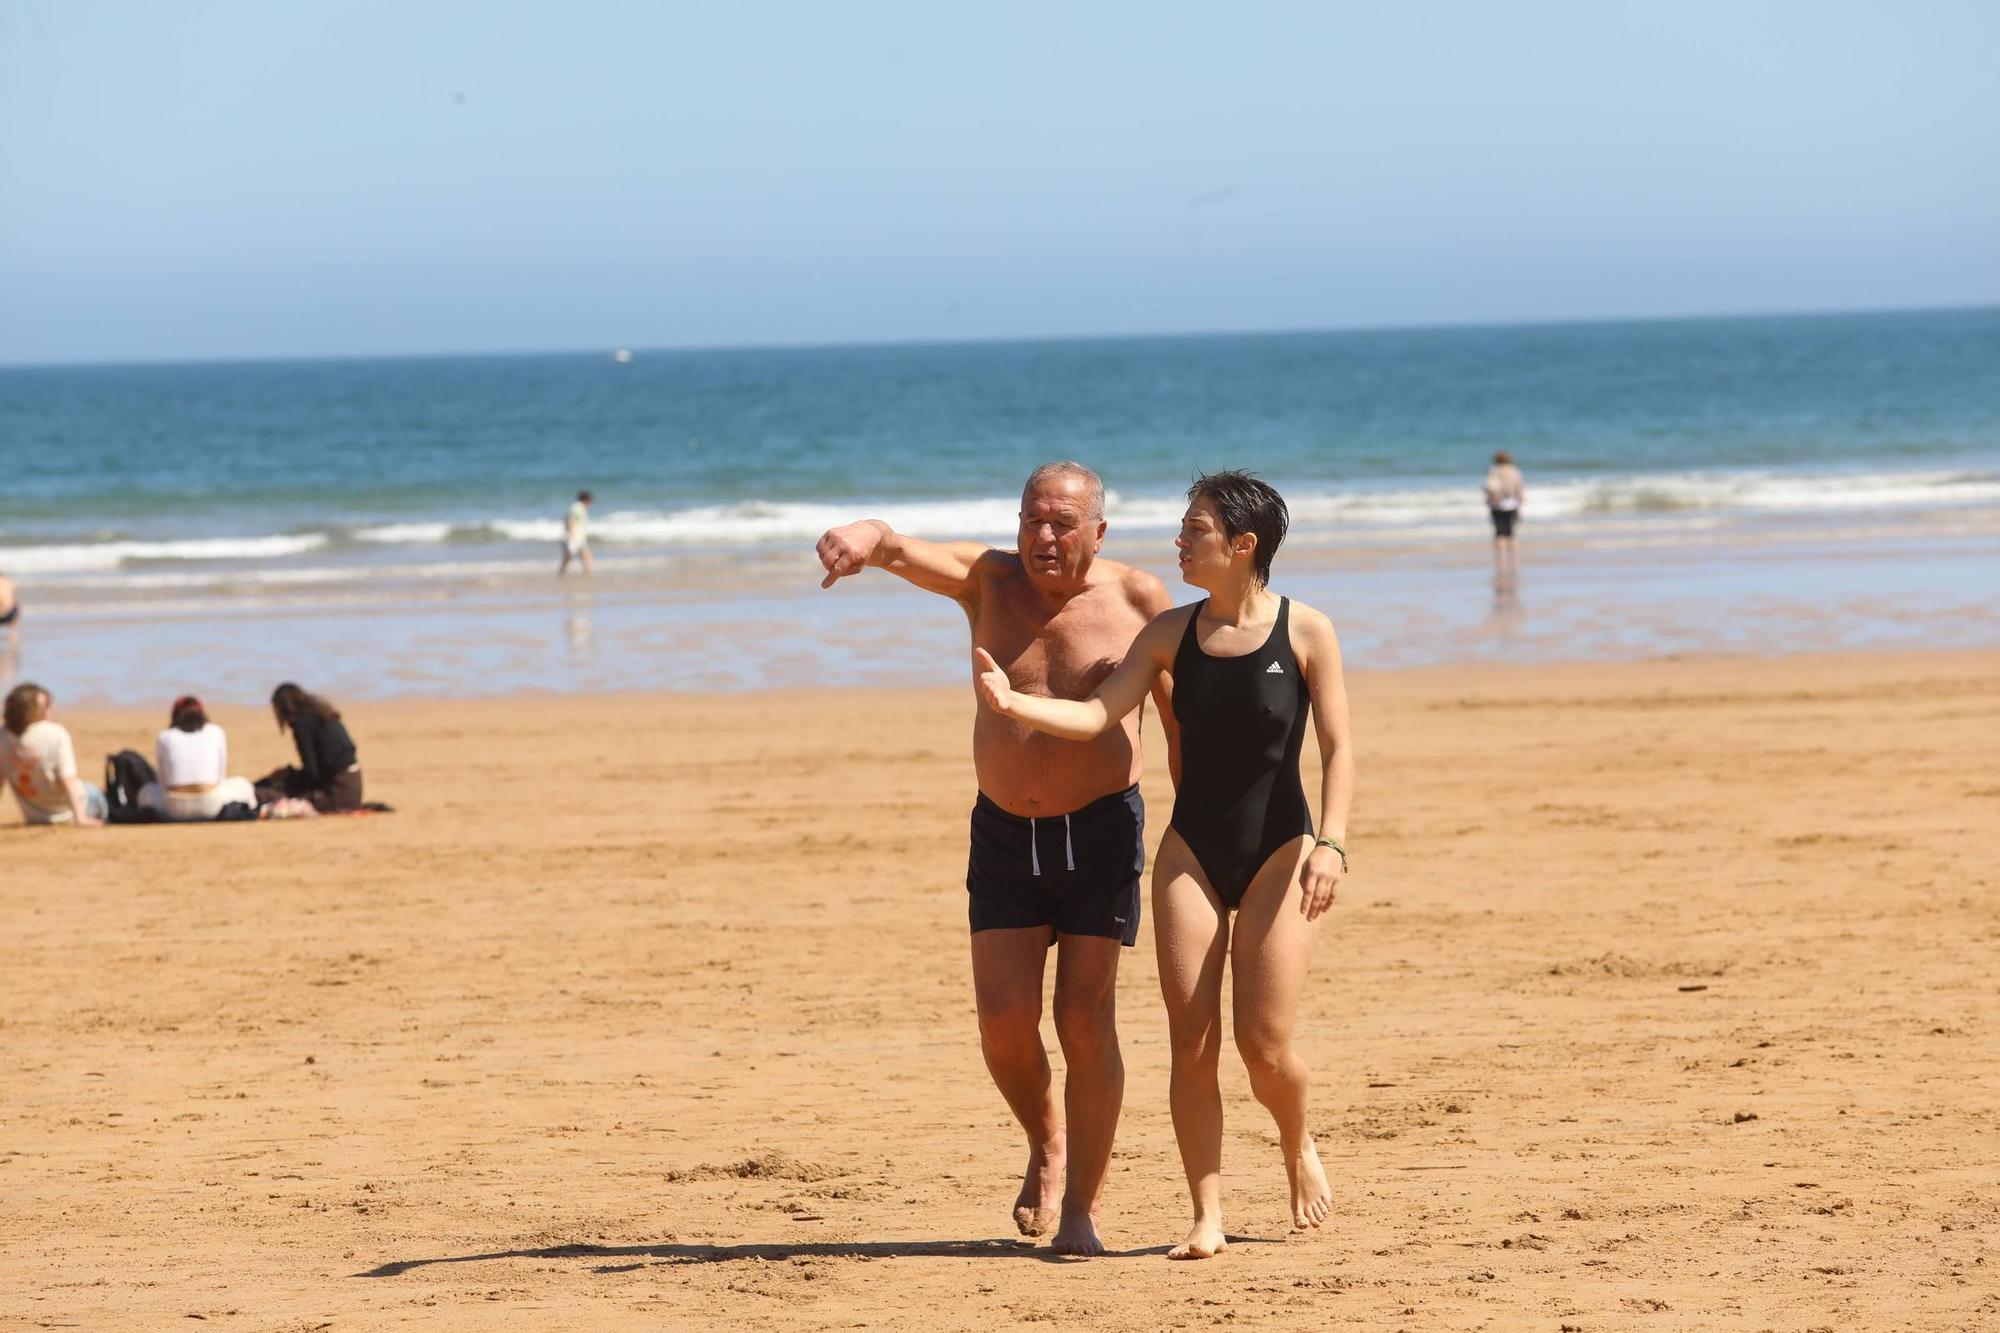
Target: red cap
183, 703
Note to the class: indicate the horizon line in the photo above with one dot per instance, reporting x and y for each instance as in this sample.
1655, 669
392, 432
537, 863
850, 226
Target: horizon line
1005, 340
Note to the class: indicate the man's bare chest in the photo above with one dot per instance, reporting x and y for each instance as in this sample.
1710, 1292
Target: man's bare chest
1065, 655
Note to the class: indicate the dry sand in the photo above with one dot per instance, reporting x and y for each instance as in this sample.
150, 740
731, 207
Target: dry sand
1662, 996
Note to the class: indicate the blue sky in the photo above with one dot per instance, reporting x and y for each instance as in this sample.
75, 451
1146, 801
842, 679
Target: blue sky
216, 179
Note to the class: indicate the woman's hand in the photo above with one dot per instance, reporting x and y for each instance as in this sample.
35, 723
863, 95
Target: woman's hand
1319, 880
990, 682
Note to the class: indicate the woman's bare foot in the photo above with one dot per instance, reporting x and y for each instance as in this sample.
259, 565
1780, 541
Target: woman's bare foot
1035, 1208
1077, 1235
1312, 1197
1204, 1241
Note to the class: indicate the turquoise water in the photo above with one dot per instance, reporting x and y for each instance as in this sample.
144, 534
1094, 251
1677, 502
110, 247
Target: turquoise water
207, 493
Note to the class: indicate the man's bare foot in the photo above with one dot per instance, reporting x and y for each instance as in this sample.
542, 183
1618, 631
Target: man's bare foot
1204, 1241
1077, 1235
1035, 1209
1312, 1197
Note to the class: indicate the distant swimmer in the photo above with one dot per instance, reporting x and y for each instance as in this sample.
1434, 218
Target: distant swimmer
1058, 827
576, 534
1505, 495
1251, 669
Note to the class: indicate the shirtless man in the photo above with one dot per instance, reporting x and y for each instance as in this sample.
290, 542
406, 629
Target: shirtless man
1057, 845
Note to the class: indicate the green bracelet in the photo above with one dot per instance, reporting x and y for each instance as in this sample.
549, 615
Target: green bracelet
1329, 842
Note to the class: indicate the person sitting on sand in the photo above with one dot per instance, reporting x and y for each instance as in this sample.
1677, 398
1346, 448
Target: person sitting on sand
576, 534
328, 773
1505, 494
38, 760
192, 757
1058, 829
1248, 666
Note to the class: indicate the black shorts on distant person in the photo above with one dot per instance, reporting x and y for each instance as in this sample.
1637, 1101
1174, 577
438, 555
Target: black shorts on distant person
1503, 521
1077, 872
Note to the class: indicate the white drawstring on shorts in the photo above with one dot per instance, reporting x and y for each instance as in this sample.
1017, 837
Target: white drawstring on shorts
1035, 852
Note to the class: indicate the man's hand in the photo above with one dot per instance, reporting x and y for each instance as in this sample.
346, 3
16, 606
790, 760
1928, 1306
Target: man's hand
991, 682
845, 550
1319, 880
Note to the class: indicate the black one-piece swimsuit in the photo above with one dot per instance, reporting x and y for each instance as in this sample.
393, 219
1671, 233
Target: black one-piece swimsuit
1243, 723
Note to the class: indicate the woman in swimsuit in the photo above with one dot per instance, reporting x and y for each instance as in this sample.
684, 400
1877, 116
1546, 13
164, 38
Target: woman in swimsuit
1247, 667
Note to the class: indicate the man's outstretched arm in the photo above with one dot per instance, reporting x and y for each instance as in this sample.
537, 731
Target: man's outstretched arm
939, 567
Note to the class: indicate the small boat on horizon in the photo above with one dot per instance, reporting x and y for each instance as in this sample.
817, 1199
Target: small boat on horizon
623, 356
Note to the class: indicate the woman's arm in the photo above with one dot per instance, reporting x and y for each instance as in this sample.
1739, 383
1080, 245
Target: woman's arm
1080, 719
1327, 688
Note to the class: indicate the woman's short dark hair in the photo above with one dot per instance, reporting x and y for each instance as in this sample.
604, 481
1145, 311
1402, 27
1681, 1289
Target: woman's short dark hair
290, 703
1245, 504
188, 714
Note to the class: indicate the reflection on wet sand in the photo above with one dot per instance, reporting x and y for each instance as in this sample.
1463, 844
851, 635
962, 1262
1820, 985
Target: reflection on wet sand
1509, 615
577, 632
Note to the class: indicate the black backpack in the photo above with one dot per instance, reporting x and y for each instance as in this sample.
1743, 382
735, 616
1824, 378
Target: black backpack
124, 774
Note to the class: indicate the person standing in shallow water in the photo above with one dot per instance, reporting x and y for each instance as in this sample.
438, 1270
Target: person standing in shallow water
1058, 828
576, 534
1505, 494
1248, 668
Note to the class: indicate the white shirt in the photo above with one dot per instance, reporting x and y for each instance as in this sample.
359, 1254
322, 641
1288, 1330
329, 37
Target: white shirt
1503, 486
192, 758
576, 523
35, 764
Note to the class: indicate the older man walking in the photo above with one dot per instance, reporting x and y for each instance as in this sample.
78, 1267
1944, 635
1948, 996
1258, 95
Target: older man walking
1057, 830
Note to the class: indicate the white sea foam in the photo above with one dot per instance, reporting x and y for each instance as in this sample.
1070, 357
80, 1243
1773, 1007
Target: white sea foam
406, 533
59, 559
317, 576
1381, 510
1768, 493
1394, 515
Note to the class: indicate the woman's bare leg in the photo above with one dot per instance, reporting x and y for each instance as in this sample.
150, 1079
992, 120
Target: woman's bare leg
1191, 932
1269, 955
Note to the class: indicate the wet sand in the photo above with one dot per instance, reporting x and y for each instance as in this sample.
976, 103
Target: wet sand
1661, 996
765, 623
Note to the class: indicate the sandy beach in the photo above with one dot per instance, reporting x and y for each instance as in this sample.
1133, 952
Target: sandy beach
1661, 996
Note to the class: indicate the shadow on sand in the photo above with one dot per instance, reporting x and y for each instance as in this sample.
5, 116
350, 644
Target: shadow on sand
725, 1254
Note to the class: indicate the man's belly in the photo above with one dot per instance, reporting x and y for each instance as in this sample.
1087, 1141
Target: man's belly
1026, 773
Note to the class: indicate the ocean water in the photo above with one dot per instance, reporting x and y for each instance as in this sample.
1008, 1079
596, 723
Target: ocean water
338, 492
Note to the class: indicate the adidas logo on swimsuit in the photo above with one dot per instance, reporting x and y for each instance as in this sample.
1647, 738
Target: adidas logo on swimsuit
1274, 670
